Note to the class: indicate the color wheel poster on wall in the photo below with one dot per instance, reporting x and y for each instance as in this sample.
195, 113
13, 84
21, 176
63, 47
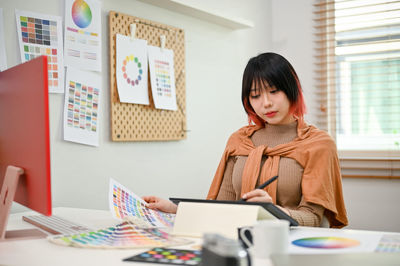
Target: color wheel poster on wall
161, 65
82, 106
83, 34
42, 35
131, 70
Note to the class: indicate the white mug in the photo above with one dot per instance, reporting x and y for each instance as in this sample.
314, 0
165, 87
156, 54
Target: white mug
269, 236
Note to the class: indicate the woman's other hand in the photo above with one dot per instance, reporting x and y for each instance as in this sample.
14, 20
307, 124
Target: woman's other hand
159, 204
257, 195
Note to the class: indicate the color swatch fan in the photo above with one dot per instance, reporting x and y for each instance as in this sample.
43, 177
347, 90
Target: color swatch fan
124, 235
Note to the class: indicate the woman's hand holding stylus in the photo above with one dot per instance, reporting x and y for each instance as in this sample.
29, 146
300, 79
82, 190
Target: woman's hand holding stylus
257, 195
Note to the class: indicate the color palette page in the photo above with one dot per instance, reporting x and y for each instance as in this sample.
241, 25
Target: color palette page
3, 57
131, 70
162, 77
42, 35
389, 244
82, 106
123, 235
83, 34
124, 204
320, 241
170, 256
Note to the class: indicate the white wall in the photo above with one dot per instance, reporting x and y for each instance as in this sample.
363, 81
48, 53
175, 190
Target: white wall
215, 59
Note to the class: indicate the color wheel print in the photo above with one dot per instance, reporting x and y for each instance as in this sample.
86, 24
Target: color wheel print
326, 242
81, 14
129, 65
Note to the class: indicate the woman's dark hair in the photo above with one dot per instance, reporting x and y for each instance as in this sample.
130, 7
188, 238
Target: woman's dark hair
275, 71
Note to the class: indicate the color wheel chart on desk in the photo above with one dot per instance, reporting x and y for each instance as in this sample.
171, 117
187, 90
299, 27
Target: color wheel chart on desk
125, 204
42, 35
326, 242
333, 241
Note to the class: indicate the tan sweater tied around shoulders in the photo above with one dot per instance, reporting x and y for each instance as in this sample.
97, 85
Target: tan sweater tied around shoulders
305, 158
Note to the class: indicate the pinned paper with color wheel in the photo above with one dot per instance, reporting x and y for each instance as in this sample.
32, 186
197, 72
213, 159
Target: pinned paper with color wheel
131, 70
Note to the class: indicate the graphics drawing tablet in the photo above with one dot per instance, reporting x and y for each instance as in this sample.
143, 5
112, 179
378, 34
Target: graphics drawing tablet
270, 207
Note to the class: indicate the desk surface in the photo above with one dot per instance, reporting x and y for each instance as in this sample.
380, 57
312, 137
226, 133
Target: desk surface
42, 252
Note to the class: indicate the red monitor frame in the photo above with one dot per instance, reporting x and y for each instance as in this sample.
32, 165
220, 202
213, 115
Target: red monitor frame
24, 132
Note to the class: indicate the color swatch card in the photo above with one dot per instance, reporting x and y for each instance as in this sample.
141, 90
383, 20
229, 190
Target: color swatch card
123, 235
83, 34
42, 35
131, 70
162, 77
3, 57
124, 204
82, 106
331, 241
389, 244
169, 256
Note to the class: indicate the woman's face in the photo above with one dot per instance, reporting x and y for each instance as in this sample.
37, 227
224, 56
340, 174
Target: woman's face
270, 104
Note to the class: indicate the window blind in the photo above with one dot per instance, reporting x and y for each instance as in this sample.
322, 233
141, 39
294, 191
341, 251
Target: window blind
357, 71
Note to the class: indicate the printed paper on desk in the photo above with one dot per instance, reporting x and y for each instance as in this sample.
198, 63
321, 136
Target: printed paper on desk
131, 70
305, 240
162, 77
42, 35
3, 57
125, 204
83, 34
82, 107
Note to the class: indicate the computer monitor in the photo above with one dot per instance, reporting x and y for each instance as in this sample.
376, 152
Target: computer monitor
24, 137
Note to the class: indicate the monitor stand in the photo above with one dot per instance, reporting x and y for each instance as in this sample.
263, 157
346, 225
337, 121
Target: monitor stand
7, 194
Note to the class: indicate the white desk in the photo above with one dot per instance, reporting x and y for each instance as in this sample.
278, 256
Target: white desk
42, 252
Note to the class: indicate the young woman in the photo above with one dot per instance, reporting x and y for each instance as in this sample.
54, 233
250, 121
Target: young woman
278, 142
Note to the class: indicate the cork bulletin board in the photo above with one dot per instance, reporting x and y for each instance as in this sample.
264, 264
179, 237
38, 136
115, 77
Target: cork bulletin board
135, 122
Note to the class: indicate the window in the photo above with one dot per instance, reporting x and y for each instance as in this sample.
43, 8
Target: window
358, 82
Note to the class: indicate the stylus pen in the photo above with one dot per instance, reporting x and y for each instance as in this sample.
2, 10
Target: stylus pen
263, 185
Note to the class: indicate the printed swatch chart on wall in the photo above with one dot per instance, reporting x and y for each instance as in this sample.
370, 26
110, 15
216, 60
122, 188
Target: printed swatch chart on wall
163, 117
42, 35
82, 107
162, 76
83, 34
